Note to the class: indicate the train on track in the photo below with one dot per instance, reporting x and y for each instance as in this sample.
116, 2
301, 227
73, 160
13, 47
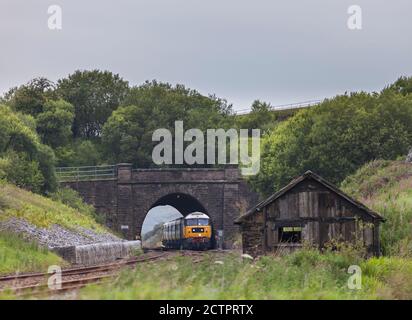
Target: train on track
193, 232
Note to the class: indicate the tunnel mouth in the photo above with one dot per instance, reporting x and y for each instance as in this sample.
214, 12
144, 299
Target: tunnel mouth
176, 203
183, 203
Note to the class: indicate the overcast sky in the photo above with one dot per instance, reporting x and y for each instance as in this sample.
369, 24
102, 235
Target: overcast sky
277, 51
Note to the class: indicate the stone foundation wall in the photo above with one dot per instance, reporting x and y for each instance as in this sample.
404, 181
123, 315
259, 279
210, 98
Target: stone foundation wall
98, 253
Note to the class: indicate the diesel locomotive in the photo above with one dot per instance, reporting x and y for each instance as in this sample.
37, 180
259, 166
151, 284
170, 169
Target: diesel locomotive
193, 232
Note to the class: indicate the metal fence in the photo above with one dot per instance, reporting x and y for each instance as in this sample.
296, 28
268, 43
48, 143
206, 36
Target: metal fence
67, 174
288, 106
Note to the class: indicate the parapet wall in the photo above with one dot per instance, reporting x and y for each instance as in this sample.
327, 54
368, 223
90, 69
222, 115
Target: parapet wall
170, 175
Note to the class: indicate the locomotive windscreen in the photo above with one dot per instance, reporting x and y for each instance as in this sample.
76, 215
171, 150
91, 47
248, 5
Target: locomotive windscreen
197, 222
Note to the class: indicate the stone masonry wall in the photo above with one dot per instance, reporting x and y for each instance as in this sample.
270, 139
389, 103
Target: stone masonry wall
125, 201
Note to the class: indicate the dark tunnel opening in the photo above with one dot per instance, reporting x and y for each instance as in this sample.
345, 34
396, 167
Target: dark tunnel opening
167, 208
184, 203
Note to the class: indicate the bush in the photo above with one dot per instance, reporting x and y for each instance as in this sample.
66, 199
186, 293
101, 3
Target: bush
47, 161
79, 153
25, 161
392, 277
55, 122
72, 199
22, 172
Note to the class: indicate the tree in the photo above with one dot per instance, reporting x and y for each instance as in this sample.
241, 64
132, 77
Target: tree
95, 95
403, 85
127, 135
336, 137
79, 153
55, 122
31, 97
38, 99
261, 117
23, 159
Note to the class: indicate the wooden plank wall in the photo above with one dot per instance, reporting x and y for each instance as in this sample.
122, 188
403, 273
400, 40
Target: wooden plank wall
323, 215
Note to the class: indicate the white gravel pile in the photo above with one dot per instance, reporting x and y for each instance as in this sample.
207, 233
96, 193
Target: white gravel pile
56, 236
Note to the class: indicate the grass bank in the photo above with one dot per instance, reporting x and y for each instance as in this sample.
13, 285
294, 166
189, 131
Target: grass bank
307, 274
386, 187
41, 211
17, 255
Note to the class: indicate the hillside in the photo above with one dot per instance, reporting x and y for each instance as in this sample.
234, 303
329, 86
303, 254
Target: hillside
30, 224
16, 203
386, 187
153, 238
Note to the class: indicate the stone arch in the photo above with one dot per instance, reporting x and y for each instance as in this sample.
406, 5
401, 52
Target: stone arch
124, 199
183, 201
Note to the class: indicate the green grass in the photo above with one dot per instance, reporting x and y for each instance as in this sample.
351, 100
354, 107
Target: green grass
306, 274
386, 187
17, 255
42, 211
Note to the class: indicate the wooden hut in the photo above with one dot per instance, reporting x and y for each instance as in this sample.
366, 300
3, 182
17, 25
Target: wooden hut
308, 210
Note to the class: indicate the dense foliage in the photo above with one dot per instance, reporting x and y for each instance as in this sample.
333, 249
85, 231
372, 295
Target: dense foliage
24, 160
94, 117
127, 135
31, 97
95, 95
260, 117
336, 137
54, 123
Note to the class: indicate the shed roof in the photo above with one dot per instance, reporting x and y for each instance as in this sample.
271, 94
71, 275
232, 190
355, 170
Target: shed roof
309, 175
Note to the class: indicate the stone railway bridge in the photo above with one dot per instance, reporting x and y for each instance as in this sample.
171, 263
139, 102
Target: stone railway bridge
124, 198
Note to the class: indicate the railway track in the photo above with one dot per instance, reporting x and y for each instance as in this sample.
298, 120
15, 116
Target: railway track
35, 284
74, 278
